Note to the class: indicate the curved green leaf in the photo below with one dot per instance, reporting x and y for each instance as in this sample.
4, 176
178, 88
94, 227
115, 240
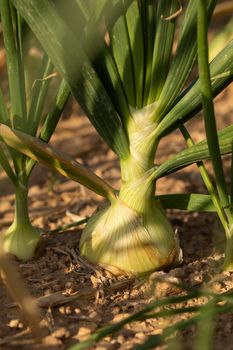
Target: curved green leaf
195, 154
187, 201
40, 151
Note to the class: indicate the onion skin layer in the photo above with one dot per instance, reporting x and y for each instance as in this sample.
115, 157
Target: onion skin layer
126, 242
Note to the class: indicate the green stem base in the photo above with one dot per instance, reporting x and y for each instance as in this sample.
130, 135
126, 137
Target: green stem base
228, 262
21, 239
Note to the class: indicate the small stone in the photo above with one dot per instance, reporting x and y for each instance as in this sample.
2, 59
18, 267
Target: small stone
195, 279
50, 340
216, 287
15, 324
94, 281
116, 309
61, 332
65, 310
164, 289
105, 346
77, 311
141, 336
62, 310
95, 316
120, 317
178, 273
85, 329
68, 310
121, 339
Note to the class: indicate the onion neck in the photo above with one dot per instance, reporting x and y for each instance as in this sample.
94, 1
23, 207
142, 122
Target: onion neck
21, 217
138, 187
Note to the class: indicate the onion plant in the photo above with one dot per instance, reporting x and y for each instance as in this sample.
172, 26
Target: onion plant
121, 63
22, 108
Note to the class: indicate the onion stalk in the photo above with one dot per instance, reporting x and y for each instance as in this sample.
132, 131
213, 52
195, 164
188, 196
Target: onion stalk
132, 234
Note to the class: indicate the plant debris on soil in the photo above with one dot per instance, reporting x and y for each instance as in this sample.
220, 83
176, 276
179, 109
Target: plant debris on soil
77, 298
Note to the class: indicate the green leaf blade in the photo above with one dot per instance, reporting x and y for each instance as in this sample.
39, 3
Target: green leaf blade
134, 25
121, 51
164, 35
39, 94
187, 201
40, 151
194, 154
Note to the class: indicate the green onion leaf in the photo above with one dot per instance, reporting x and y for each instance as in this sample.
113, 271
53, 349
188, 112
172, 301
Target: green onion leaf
187, 201
194, 154
40, 151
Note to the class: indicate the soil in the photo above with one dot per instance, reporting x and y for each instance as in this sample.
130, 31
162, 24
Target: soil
98, 298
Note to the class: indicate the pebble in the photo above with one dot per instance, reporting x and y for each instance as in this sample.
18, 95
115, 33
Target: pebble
85, 329
77, 311
65, 310
50, 340
164, 289
178, 273
195, 279
141, 336
106, 346
121, 339
116, 310
95, 316
120, 317
15, 324
61, 332
216, 287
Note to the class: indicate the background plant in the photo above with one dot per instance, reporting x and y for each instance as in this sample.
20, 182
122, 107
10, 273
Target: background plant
22, 108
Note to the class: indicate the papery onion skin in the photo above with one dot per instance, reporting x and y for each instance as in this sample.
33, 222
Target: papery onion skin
121, 239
